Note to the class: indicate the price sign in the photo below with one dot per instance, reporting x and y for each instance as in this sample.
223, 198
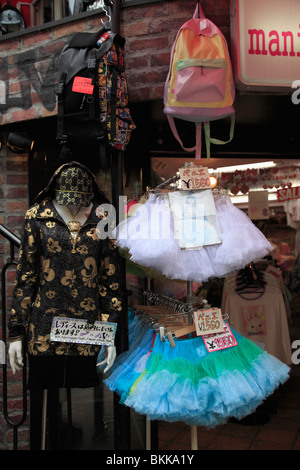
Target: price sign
220, 340
208, 321
73, 330
195, 177
83, 85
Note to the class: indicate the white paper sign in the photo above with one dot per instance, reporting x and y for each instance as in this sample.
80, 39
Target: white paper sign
74, 330
195, 177
208, 321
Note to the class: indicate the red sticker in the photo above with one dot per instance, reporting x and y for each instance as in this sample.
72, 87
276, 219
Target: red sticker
83, 85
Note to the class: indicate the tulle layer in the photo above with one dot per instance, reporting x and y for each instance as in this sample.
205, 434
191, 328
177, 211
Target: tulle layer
186, 383
129, 366
149, 239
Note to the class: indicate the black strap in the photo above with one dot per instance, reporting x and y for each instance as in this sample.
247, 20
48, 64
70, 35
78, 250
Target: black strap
61, 134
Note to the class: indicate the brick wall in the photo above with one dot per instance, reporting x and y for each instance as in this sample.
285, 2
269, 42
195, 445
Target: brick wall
28, 64
28, 69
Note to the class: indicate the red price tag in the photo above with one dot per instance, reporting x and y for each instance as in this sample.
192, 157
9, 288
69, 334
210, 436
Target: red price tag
220, 341
83, 85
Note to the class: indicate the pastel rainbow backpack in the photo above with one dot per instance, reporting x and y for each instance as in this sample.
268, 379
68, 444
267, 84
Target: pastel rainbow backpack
200, 85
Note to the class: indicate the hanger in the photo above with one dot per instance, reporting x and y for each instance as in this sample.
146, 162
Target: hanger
105, 4
249, 278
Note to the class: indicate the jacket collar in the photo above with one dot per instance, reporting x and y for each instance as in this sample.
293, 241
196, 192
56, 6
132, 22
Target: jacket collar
47, 210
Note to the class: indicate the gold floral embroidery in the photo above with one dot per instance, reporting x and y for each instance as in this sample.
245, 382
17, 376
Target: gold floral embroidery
115, 304
50, 224
74, 293
37, 302
62, 349
47, 213
69, 278
19, 292
50, 294
88, 304
112, 244
28, 277
93, 234
51, 311
102, 291
53, 246
107, 269
82, 249
31, 213
89, 274
47, 273
86, 350
26, 302
114, 286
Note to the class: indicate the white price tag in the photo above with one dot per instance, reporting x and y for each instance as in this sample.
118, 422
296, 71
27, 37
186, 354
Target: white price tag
195, 177
74, 330
220, 340
208, 321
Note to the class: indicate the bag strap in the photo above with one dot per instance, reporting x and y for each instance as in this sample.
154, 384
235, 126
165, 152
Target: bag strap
198, 13
197, 147
210, 140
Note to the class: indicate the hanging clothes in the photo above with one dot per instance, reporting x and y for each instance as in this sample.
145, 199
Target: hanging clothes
150, 240
258, 312
187, 383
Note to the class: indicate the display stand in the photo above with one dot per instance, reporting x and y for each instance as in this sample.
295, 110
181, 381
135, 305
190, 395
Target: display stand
181, 324
194, 439
44, 419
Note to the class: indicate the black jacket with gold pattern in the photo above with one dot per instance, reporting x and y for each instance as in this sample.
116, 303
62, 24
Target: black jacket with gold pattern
51, 280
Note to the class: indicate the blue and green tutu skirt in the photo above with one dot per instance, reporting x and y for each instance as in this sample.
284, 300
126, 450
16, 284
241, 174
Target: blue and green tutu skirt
187, 383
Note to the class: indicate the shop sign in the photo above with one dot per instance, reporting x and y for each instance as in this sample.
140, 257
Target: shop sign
265, 39
77, 331
286, 194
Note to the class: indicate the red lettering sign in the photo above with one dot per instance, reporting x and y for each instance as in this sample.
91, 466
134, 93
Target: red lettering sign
288, 193
83, 85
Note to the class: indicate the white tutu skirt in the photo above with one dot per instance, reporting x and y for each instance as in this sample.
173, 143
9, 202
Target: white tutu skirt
148, 238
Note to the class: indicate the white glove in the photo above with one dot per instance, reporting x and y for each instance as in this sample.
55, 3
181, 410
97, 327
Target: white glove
110, 353
15, 355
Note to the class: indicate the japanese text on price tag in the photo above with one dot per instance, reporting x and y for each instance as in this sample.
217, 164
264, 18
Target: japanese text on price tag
194, 178
220, 340
73, 330
208, 321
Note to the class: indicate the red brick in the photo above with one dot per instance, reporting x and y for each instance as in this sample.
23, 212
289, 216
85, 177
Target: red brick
35, 38
17, 179
17, 164
24, 115
17, 193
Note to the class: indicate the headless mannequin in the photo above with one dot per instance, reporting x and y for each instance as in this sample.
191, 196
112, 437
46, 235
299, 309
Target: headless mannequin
67, 213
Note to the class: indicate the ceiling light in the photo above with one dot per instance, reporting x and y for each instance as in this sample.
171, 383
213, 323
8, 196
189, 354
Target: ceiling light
250, 166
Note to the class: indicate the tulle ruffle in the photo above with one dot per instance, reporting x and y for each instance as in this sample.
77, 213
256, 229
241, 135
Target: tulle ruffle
148, 238
186, 383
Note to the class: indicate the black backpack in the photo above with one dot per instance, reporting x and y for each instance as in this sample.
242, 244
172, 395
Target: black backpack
92, 93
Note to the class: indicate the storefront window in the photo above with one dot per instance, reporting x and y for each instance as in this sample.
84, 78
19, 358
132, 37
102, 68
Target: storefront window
17, 16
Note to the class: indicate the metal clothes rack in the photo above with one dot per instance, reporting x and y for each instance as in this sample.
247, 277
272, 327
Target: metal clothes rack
182, 310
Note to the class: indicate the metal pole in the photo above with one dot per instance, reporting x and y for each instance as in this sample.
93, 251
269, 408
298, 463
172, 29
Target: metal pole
44, 419
122, 432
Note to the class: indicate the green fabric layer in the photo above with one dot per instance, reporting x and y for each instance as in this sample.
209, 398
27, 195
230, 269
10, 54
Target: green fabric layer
236, 358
